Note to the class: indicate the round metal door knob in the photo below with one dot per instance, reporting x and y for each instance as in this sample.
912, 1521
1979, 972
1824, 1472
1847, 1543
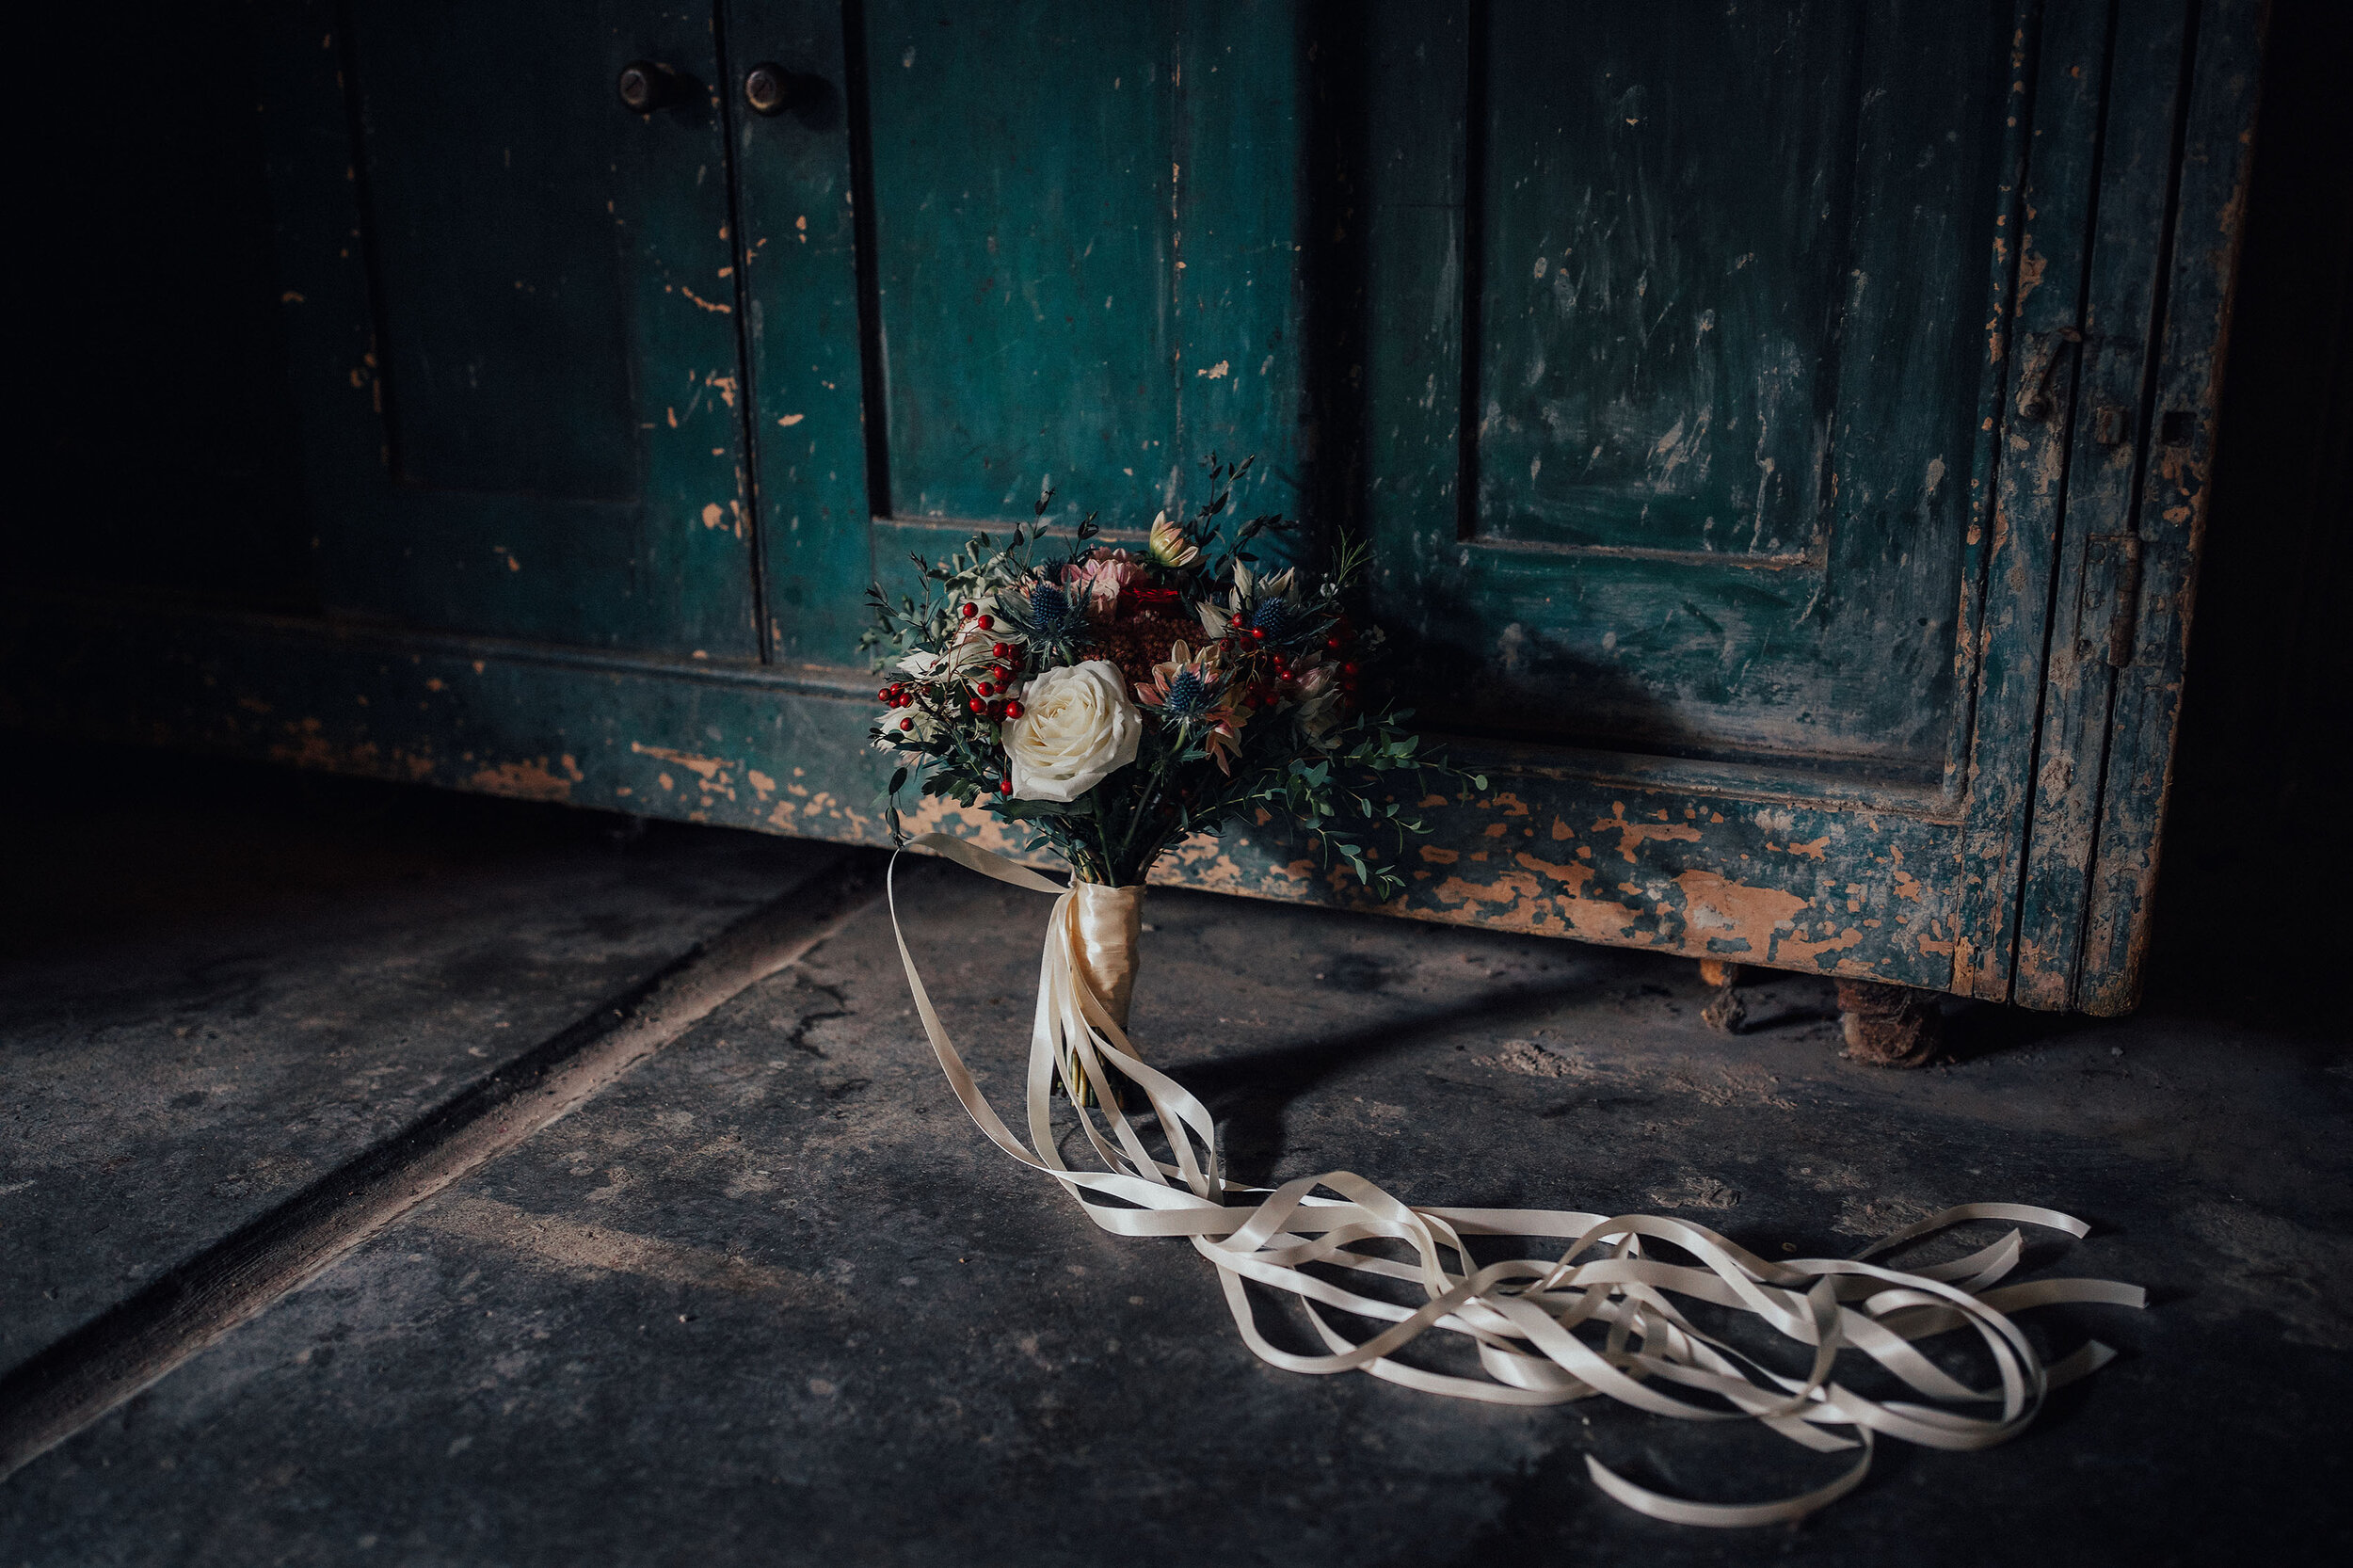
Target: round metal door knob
770, 89
645, 87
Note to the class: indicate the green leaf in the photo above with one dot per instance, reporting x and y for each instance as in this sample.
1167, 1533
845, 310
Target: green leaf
1031, 810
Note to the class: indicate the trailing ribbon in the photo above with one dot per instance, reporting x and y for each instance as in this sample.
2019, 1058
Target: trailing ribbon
1523, 1314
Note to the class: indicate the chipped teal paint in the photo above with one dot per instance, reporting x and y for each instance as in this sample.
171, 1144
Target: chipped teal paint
1645, 859
2063, 102
2145, 714
797, 239
2067, 487
1662, 299
1652, 557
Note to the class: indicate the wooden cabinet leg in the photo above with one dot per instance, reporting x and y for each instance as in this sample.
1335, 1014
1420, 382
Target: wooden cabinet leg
1724, 1010
1890, 1026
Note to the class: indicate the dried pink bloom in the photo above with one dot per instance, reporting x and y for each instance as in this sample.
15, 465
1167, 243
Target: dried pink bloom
1100, 578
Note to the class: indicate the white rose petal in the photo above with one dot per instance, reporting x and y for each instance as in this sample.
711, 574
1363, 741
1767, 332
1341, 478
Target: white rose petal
918, 726
1077, 728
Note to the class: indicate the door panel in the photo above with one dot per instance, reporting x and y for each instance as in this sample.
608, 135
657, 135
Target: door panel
1081, 226
1722, 398
1662, 290
2148, 631
799, 239
1025, 249
552, 402
2080, 84
2115, 304
507, 352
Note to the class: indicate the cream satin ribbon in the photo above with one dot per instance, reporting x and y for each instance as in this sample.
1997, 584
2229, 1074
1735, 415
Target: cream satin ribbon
1522, 1313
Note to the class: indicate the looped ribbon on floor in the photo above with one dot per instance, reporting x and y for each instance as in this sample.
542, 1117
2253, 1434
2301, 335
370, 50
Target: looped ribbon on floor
1522, 1314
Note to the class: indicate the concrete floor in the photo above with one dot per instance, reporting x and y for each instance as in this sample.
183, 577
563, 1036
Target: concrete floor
773, 1299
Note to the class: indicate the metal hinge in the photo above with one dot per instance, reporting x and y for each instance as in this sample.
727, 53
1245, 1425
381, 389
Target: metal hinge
2112, 585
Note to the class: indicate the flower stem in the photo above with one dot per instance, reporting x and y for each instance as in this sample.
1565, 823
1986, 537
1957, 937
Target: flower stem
1143, 806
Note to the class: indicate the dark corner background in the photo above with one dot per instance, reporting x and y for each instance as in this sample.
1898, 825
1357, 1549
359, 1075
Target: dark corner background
154, 366
155, 385
2258, 847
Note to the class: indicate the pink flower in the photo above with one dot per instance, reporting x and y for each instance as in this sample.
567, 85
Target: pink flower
1100, 580
1320, 696
1192, 690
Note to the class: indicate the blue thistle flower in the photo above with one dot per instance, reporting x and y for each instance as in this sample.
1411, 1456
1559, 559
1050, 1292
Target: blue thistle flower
1189, 696
1053, 614
1277, 617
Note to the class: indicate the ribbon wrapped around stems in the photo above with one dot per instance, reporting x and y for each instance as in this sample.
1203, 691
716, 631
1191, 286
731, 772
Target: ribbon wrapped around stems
1099, 927
1523, 1315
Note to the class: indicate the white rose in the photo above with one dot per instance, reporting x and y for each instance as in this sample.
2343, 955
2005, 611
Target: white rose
1077, 728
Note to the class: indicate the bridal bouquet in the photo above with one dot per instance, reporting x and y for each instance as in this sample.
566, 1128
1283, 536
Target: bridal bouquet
1114, 701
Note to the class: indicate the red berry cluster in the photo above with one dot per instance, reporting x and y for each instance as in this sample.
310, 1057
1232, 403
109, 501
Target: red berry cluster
898, 694
1342, 641
988, 697
1274, 668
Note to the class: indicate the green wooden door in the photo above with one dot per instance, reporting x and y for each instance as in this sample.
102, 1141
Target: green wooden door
1673, 357
1652, 352
535, 430
1720, 388
1783, 429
